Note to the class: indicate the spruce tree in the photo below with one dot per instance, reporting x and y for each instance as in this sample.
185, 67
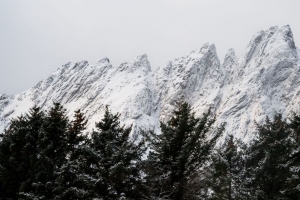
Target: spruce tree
294, 181
12, 163
52, 152
69, 183
115, 160
75, 136
225, 171
268, 160
19, 154
35, 119
178, 152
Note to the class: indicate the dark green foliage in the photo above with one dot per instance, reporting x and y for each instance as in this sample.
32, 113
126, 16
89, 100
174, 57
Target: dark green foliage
225, 171
52, 148
12, 165
44, 155
294, 181
65, 164
19, 154
69, 183
75, 136
178, 152
115, 160
295, 126
268, 161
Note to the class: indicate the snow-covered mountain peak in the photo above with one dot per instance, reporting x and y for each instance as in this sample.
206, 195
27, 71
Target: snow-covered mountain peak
209, 46
198, 53
140, 63
229, 59
276, 41
197, 77
285, 35
88, 87
104, 61
261, 82
142, 58
264, 81
230, 65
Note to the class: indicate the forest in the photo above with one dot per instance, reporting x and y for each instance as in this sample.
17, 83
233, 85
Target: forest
47, 155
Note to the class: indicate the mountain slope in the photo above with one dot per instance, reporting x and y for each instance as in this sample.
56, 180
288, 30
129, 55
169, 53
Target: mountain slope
263, 81
126, 89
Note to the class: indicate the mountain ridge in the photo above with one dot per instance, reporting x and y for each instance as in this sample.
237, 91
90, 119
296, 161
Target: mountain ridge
262, 81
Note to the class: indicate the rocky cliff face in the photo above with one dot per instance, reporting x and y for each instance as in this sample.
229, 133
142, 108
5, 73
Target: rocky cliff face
263, 81
126, 89
197, 78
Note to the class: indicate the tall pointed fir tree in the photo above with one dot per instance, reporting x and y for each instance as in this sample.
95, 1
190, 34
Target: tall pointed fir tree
294, 181
52, 152
69, 183
178, 153
35, 119
12, 163
115, 160
268, 161
225, 171
19, 154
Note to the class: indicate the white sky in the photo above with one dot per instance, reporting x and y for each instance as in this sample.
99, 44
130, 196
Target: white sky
38, 36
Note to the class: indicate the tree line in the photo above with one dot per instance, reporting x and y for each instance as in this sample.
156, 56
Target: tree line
46, 155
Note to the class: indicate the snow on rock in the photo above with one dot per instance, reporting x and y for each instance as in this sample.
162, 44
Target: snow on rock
261, 82
126, 89
196, 77
266, 81
230, 65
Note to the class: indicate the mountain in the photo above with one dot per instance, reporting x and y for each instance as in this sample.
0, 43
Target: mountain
261, 82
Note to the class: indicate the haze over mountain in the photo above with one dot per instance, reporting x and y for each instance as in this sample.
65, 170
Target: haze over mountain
261, 82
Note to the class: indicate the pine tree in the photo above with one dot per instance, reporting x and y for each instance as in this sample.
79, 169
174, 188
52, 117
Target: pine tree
115, 160
268, 160
178, 152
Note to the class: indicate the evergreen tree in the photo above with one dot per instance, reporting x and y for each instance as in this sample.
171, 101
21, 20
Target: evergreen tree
225, 171
178, 152
35, 120
115, 160
268, 160
294, 181
75, 136
52, 152
19, 154
69, 183
12, 164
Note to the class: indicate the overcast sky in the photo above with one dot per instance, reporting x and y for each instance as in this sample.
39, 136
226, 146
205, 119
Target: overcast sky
38, 36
